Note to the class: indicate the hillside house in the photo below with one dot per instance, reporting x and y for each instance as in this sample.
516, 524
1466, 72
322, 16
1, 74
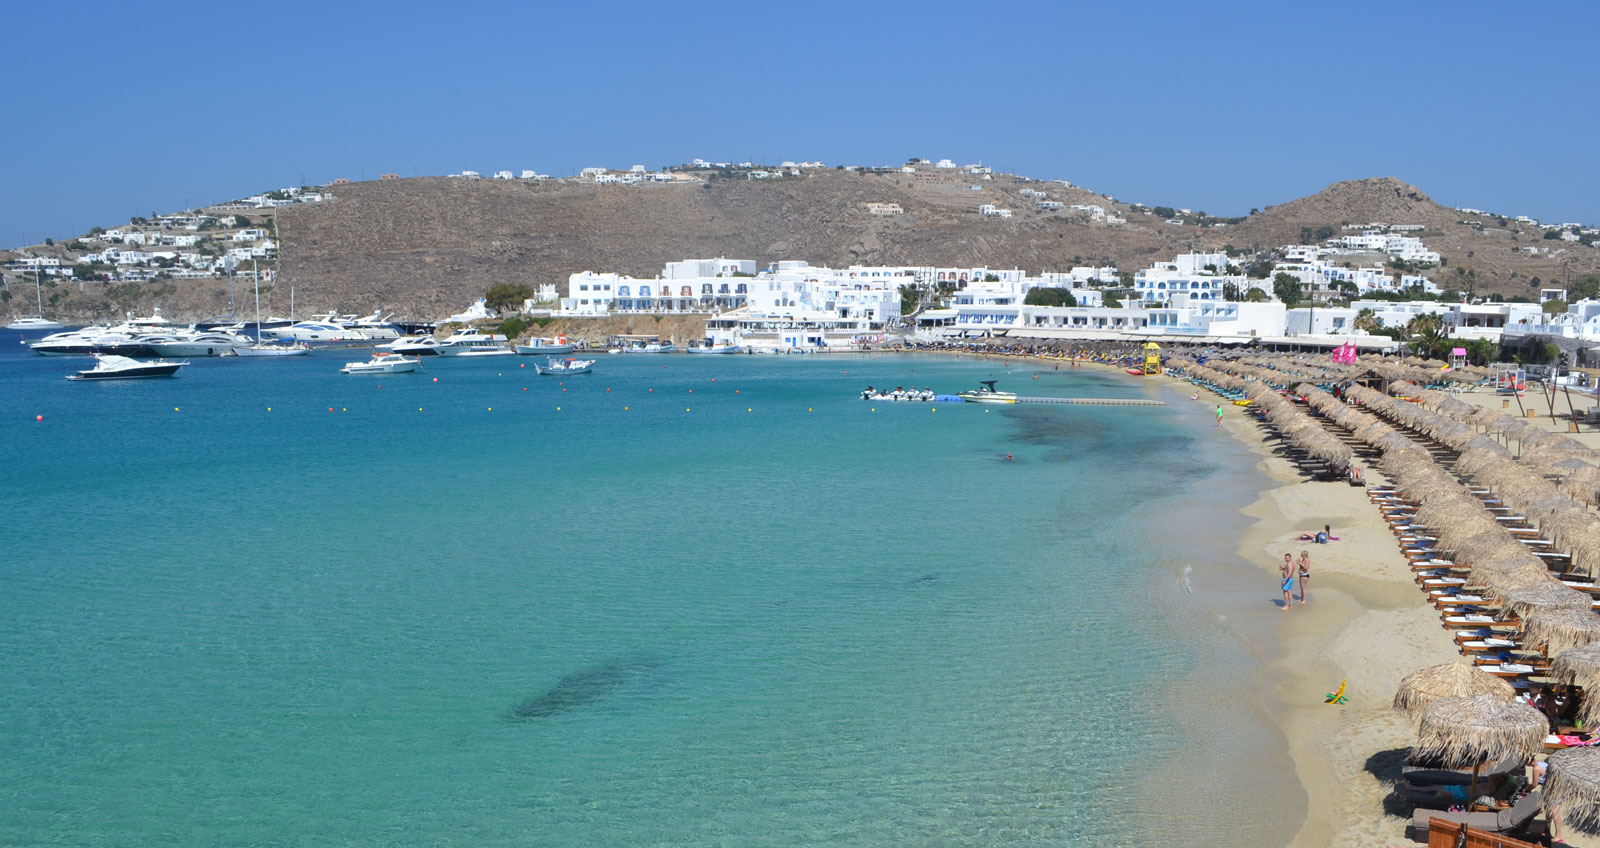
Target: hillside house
884, 209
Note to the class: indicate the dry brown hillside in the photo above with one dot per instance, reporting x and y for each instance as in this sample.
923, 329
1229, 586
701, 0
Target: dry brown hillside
426, 247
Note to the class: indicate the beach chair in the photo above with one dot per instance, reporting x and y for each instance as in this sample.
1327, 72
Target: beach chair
1513, 819
1474, 620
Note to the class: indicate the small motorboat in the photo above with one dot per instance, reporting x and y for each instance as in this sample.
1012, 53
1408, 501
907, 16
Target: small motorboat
382, 363
109, 366
554, 367
1137, 372
986, 393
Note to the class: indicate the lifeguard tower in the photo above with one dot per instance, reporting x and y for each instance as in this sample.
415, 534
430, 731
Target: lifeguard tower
1152, 358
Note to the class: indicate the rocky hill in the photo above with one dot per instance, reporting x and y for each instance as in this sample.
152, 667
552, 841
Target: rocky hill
426, 247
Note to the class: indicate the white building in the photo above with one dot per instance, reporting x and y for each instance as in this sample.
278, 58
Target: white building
795, 305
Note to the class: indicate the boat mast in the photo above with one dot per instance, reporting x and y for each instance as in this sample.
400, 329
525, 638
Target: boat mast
257, 273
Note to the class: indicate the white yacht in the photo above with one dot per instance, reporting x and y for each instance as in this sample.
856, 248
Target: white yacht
314, 332
110, 367
422, 345
472, 342
70, 343
35, 323
375, 326
198, 344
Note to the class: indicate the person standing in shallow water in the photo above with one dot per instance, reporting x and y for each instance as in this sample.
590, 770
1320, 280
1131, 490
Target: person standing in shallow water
1219, 416
1286, 572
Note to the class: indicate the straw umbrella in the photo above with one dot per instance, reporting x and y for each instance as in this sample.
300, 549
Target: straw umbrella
1580, 666
1550, 595
1477, 728
1450, 680
1554, 631
1525, 576
1573, 784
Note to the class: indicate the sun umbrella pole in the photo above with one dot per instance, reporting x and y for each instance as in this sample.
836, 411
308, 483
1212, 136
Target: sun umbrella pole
1472, 789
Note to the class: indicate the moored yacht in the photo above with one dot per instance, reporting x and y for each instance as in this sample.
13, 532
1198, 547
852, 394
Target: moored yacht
473, 342
420, 345
198, 344
35, 322
70, 343
314, 332
112, 367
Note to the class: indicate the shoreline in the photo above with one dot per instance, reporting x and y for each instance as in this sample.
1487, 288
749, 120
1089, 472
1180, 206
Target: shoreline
1366, 625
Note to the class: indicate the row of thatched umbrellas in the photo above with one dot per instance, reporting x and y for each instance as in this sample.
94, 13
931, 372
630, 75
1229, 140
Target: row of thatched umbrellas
1467, 717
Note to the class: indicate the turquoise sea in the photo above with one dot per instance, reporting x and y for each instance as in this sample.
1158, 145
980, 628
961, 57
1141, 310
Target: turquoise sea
679, 601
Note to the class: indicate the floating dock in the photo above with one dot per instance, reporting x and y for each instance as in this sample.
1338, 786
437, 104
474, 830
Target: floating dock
1094, 401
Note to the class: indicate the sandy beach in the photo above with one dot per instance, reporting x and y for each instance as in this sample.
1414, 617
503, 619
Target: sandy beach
1367, 624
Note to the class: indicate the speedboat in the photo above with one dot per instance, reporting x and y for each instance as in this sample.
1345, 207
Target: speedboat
472, 342
35, 322
543, 345
198, 344
112, 367
382, 363
558, 367
986, 393
710, 346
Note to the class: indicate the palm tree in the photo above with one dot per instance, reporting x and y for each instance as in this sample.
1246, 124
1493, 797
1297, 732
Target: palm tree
1429, 336
1366, 321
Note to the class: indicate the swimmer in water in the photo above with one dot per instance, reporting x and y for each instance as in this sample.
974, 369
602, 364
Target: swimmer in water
1008, 457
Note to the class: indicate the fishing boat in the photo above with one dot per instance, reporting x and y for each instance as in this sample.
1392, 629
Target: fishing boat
545, 346
712, 346
554, 367
986, 393
112, 367
382, 363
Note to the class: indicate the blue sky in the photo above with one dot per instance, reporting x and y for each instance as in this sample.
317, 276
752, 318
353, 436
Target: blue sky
124, 109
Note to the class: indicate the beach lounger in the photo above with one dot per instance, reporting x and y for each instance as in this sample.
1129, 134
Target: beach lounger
1443, 601
1440, 582
1513, 819
1456, 622
1487, 646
